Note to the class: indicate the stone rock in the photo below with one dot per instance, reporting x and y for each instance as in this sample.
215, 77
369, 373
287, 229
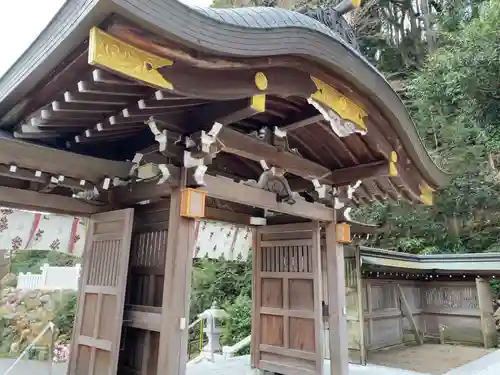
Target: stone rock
45, 298
32, 294
9, 280
32, 303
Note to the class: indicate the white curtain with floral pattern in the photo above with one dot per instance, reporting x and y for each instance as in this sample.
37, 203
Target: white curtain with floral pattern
24, 230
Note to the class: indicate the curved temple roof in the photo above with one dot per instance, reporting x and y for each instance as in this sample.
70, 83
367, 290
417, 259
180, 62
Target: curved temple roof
286, 88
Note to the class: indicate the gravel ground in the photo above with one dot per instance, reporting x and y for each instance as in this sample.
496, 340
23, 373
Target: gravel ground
434, 359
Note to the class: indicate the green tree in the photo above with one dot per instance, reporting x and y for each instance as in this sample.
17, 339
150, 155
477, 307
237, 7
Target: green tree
456, 106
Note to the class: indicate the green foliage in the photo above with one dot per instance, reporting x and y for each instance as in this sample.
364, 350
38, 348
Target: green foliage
229, 284
495, 285
33, 260
65, 311
457, 94
218, 281
239, 324
456, 14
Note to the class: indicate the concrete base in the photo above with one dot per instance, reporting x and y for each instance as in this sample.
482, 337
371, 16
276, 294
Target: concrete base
487, 365
241, 366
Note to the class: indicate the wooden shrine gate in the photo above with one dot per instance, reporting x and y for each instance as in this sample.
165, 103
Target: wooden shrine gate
287, 316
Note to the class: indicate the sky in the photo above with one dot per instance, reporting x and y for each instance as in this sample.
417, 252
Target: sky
22, 20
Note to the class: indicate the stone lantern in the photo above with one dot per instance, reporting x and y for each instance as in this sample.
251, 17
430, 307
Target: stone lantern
213, 329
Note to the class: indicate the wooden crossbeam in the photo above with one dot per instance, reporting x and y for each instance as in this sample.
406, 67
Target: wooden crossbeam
248, 147
31, 200
226, 189
58, 162
43, 178
143, 317
221, 188
217, 214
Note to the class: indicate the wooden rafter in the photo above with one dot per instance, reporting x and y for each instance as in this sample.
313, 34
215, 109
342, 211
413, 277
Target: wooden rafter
301, 123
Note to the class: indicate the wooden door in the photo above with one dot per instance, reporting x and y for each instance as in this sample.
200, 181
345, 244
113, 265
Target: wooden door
97, 333
287, 315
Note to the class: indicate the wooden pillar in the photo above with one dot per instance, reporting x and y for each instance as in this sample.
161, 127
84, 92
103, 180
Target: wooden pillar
339, 352
172, 351
318, 310
361, 308
486, 307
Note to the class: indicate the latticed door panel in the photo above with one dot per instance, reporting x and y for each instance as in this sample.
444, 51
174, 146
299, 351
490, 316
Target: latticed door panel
97, 333
287, 300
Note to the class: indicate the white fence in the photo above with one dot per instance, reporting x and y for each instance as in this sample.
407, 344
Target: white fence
51, 278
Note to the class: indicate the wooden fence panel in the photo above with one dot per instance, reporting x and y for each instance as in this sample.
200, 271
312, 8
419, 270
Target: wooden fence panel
454, 308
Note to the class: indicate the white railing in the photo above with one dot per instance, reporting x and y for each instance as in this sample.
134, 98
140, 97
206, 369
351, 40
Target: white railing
51, 278
230, 351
